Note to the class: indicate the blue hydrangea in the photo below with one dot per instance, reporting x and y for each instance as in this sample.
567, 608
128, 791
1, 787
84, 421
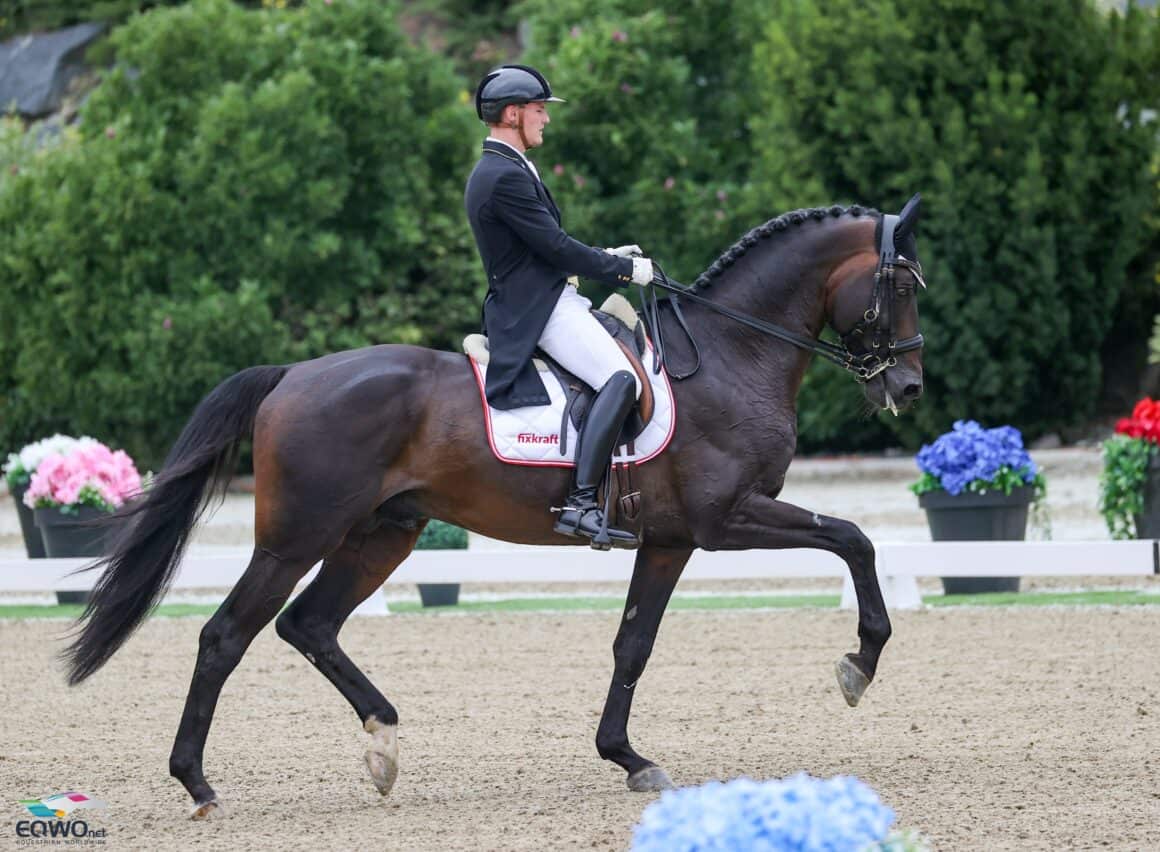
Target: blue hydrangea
969, 453
797, 813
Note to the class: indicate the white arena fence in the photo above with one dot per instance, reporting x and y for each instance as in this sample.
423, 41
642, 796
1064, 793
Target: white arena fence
899, 564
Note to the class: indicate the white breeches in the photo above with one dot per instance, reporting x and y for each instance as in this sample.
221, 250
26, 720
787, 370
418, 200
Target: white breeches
577, 340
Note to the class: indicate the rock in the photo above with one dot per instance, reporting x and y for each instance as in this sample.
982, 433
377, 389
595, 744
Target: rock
35, 69
1050, 441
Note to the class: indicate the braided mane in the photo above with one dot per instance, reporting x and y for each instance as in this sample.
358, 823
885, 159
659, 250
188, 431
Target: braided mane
774, 226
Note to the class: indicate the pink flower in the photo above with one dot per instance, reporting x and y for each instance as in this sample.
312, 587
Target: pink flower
670, 182
722, 195
575, 32
111, 132
90, 474
558, 169
627, 89
167, 323
579, 181
620, 36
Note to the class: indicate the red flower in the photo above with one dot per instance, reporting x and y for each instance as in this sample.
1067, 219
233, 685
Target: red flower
1144, 422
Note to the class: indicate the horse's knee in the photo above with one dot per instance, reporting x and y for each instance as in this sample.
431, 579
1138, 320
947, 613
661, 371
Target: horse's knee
853, 545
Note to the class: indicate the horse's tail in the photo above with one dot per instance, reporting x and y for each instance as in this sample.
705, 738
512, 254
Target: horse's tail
156, 529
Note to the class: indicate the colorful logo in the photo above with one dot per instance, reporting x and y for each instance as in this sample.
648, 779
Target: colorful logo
59, 806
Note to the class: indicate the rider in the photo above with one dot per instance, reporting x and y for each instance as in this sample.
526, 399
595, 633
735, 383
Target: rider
528, 258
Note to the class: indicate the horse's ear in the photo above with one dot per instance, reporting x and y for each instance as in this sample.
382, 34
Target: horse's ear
908, 218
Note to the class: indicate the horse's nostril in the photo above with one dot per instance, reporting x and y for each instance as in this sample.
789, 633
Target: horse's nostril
912, 391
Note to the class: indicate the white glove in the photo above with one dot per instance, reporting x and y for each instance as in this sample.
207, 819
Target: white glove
626, 251
642, 270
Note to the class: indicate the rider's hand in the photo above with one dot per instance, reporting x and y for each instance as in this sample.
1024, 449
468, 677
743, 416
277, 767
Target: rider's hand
642, 270
626, 251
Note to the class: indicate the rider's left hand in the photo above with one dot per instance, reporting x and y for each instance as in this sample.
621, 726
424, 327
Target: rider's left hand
626, 251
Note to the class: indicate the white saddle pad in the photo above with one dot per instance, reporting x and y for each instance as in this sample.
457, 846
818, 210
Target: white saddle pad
531, 435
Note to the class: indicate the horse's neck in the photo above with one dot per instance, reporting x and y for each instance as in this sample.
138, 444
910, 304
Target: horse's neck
782, 282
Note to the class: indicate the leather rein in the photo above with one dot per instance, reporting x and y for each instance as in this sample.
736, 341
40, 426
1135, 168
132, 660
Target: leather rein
876, 329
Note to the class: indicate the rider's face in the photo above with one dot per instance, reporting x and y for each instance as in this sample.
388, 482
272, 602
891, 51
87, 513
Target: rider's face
535, 120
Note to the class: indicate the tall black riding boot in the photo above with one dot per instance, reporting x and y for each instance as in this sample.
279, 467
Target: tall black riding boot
581, 516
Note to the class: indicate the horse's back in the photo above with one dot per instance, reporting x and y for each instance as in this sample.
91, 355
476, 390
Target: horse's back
359, 403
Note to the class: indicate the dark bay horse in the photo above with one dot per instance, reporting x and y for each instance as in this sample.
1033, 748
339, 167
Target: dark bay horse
355, 451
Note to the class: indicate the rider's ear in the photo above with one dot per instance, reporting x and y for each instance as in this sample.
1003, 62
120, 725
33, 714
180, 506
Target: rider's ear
908, 218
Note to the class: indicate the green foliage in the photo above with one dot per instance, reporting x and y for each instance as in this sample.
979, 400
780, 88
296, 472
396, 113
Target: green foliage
439, 535
1022, 124
651, 146
1154, 342
477, 34
280, 183
22, 16
1126, 462
264, 186
1006, 480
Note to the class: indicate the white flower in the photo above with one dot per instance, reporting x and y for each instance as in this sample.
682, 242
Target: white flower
29, 458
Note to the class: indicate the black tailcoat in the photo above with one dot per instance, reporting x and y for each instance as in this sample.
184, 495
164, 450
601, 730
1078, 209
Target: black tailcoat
527, 257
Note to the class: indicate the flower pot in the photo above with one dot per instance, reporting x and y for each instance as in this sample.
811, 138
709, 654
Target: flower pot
1148, 521
439, 594
33, 543
71, 535
990, 516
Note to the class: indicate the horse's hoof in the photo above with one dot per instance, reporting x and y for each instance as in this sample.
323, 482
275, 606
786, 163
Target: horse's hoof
382, 755
651, 779
210, 810
851, 680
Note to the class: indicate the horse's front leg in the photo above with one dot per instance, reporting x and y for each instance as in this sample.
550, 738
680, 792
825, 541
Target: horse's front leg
654, 576
762, 522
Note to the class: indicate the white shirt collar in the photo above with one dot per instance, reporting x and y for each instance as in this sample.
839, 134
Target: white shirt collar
522, 155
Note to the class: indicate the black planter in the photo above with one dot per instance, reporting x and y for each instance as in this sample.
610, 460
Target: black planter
70, 536
990, 516
1148, 521
33, 543
439, 594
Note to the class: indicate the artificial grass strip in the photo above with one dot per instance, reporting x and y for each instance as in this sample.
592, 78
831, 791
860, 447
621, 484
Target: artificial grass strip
679, 602
1125, 597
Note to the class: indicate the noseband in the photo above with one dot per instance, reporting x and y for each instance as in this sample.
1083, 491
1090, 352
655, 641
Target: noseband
877, 321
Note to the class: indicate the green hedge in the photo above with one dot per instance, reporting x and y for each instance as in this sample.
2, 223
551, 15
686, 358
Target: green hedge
22, 16
269, 185
1025, 126
440, 535
263, 186
652, 146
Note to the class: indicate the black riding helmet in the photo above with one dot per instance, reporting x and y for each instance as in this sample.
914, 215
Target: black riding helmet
510, 84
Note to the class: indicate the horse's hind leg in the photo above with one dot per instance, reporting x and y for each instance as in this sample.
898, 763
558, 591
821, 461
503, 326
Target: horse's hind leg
311, 624
256, 598
654, 577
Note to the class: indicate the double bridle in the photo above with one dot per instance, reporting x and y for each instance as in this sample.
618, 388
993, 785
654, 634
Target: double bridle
875, 331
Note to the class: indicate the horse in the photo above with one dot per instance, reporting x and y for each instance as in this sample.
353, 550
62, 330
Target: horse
355, 451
